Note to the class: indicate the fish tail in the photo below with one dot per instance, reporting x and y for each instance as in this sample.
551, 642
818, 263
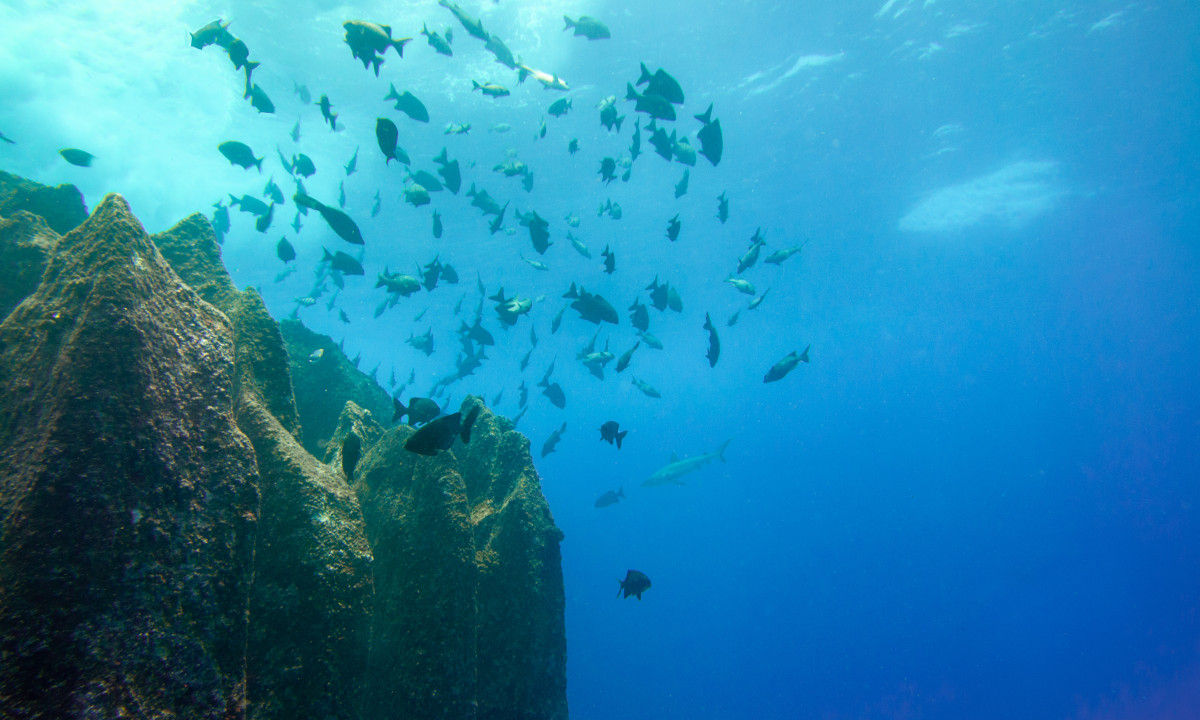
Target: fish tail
618, 123
804, 355
630, 93
721, 451
475, 85
621, 436
706, 116
399, 45
646, 76
569, 23
522, 73
258, 163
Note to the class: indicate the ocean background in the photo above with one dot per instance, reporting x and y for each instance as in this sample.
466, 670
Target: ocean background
978, 501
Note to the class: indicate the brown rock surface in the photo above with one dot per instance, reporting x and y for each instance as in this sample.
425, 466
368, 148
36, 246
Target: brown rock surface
25, 245
62, 206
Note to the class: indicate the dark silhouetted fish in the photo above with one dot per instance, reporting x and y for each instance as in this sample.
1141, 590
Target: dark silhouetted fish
608, 168
591, 307
779, 256
661, 142
573, 146
437, 224
758, 300
369, 42
610, 261
610, 433
552, 441
712, 142
240, 154
661, 84
302, 92
408, 104
250, 204
646, 388
653, 105
258, 99
214, 33
673, 228
327, 112
303, 164
723, 211
559, 107
610, 498
422, 343
416, 195
473, 25
387, 134
639, 315
588, 27
557, 321
285, 251
352, 163
504, 56
420, 410
449, 170
342, 263
750, 257
437, 42
7, 139
714, 342
220, 221
338, 221
608, 114
554, 391
635, 144
635, 583
439, 434
263, 223
785, 366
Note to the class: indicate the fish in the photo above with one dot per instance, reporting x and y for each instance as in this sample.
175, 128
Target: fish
683, 151
610, 260
608, 114
342, 194
635, 583
595, 362
552, 441
535, 264
408, 104
398, 284
450, 172
662, 143
352, 163
579, 246
422, 343
539, 233
302, 92
661, 84
439, 434
416, 195
673, 227
723, 213
610, 498
377, 206
548, 80
7, 139
573, 146
437, 224
504, 56
285, 251
258, 99
351, 451
327, 112
342, 262
639, 316
527, 181
490, 89
646, 388
588, 27
240, 154
714, 342
572, 219
591, 307
343, 316
220, 220
338, 221
733, 318
750, 257
650, 340
473, 26
742, 286
786, 365
779, 256
608, 167
497, 222
554, 392
758, 300
273, 192
369, 42
457, 129
653, 105
559, 107
500, 128
712, 142
214, 33
420, 410
386, 134
250, 204
239, 55
477, 333
296, 223
557, 321
437, 42
303, 164
610, 434
513, 308
263, 222
670, 473
287, 164
635, 143
511, 168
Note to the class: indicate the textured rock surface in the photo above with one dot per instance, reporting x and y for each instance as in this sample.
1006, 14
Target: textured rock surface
25, 245
62, 206
324, 385
128, 496
168, 548
468, 580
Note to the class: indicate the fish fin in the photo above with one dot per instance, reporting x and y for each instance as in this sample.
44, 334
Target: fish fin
569, 23
618, 123
706, 116
399, 45
721, 451
522, 73
630, 93
621, 436
646, 76
804, 355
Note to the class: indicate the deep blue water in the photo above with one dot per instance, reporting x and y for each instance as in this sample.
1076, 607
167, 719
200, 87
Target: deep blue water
980, 498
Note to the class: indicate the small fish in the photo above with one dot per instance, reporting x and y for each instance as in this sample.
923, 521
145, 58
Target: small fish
555, 393
473, 26
450, 172
342, 194
650, 340
258, 99
626, 357
610, 260
681, 187
608, 167
758, 300
653, 105
500, 128
327, 112
369, 42
249, 204
635, 144
319, 352
457, 129
408, 104
285, 251
352, 163
214, 33
240, 154
416, 195
608, 114
588, 27
786, 365
750, 257
610, 434
220, 221
422, 343
610, 498
723, 212
304, 165
342, 263
573, 146
661, 84
490, 89
673, 227
712, 143
439, 434
646, 387
343, 316
504, 56
437, 42
552, 441
779, 256
377, 206
302, 92
263, 223
535, 264
548, 80
714, 342
579, 246
639, 316
397, 284
386, 134
437, 224
557, 321
559, 107
420, 410
733, 318
742, 286
273, 192
635, 583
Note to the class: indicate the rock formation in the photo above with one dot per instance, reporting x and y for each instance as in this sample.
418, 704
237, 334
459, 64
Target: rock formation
169, 544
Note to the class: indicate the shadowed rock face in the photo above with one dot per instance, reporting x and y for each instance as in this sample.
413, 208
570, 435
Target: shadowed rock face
168, 548
61, 207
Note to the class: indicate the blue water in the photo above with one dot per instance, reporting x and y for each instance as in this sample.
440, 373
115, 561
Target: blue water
980, 498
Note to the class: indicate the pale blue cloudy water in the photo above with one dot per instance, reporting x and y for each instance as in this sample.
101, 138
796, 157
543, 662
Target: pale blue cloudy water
979, 498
